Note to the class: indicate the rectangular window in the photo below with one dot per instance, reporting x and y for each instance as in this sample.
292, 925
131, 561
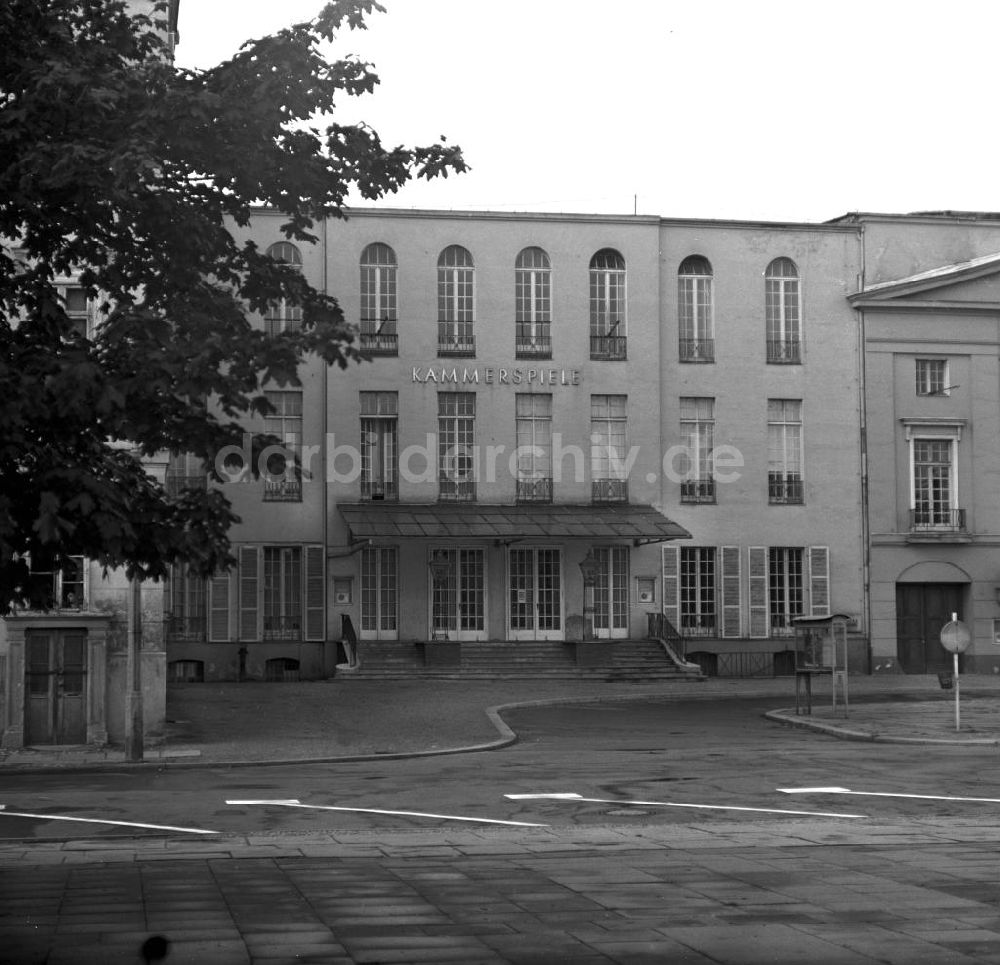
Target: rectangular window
534, 447
282, 317
785, 587
533, 305
784, 451
282, 600
379, 446
185, 604
932, 377
77, 307
55, 584
456, 442
609, 448
458, 604
698, 437
933, 489
698, 590
282, 479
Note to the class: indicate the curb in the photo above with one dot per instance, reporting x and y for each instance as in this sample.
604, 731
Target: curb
791, 719
507, 737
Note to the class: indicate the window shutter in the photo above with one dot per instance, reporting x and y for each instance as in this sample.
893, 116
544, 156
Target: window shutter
315, 583
731, 583
249, 557
819, 580
671, 585
757, 579
219, 626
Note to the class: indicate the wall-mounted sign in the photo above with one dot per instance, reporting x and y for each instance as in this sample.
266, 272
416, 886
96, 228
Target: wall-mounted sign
493, 375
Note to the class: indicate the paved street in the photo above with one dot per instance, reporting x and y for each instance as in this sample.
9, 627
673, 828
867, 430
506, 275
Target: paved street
706, 866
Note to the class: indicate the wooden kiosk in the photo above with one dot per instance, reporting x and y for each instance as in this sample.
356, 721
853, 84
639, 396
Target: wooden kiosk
820, 648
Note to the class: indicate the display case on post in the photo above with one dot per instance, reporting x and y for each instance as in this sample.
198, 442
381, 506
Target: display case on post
820, 649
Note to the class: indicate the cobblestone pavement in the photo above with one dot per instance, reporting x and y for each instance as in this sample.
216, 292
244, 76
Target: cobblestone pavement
772, 893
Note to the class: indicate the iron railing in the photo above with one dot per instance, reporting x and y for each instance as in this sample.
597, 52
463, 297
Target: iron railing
608, 348
697, 349
698, 491
784, 351
282, 490
379, 337
784, 488
456, 339
609, 490
536, 490
932, 520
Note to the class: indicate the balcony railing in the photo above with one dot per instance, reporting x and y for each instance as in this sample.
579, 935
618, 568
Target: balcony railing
283, 628
457, 491
698, 491
282, 490
609, 490
608, 348
186, 628
931, 520
784, 351
532, 344
537, 490
175, 485
379, 337
697, 349
456, 339
379, 489
784, 488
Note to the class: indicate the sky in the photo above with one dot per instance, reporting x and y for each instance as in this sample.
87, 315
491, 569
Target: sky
775, 111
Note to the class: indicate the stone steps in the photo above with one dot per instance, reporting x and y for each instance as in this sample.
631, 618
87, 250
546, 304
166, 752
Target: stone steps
500, 660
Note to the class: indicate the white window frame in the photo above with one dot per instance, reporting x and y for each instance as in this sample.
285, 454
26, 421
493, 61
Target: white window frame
282, 317
455, 630
608, 294
783, 310
785, 447
926, 383
696, 309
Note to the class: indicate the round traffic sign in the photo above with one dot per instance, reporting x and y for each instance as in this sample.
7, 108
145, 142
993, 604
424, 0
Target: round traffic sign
955, 636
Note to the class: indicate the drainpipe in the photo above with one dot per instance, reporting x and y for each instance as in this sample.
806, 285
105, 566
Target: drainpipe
865, 499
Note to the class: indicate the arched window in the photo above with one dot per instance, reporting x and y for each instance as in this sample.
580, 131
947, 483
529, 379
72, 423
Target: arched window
456, 302
782, 312
695, 324
282, 316
533, 304
378, 300
607, 305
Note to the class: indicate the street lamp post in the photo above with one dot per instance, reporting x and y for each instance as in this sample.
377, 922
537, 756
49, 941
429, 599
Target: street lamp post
588, 568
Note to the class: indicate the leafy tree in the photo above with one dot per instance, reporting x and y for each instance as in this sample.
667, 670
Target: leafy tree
120, 165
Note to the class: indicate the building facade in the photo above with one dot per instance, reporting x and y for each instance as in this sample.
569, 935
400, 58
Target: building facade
929, 310
673, 404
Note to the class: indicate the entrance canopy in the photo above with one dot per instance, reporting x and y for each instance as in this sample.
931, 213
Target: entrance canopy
380, 520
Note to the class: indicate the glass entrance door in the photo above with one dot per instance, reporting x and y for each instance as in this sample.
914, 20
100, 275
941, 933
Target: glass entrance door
611, 592
535, 593
379, 580
458, 594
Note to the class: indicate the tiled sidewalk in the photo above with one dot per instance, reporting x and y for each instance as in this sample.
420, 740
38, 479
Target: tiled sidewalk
720, 894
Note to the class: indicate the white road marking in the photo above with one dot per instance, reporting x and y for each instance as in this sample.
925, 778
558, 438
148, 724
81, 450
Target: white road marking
674, 804
919, 797
124, 824
412, 814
